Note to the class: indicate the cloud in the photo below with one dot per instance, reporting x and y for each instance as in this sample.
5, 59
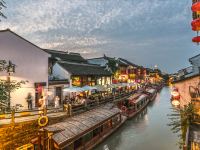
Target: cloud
94, 27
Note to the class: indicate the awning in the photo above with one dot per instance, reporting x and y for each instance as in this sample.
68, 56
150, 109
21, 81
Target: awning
100, 88
151, 91
73, 89
140, 98
134, 96
37, 84
88, 88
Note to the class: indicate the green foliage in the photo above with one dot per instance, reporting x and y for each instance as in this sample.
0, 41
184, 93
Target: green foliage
181, 119
2, 5
7, 87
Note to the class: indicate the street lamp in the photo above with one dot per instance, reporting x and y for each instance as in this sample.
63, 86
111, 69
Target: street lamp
10, 68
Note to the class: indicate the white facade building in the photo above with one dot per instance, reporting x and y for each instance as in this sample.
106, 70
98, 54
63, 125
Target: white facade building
31, 65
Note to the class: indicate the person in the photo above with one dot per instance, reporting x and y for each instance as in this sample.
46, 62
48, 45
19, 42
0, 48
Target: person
41, 104
47, 100
66, 100
56, 102
29, 101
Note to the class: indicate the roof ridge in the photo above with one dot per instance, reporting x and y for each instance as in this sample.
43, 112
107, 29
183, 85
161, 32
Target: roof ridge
83, 64
9, 30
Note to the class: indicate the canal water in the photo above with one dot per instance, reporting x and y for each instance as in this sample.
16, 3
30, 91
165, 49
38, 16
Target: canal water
146, 131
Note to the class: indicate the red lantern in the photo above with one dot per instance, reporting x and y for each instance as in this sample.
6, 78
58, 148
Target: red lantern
196, 7
194, 28
196, 23
196, 39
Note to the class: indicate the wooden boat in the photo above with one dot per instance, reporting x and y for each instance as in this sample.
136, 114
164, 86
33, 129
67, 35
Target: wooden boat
159, 87
152, 93
134, 104
82, 132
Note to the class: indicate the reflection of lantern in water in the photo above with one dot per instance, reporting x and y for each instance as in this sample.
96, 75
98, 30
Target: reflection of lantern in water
175, 95
175, 102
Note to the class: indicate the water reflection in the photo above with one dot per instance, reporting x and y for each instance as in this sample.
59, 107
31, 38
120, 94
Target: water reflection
148, 130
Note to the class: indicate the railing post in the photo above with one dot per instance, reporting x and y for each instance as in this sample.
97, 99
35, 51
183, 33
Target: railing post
13, 116
44, 111
70, 109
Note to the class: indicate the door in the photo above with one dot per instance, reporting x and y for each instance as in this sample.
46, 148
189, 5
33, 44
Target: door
59, 93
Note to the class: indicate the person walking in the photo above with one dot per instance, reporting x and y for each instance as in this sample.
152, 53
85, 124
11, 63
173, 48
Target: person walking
56, 102
29, 101
41, 105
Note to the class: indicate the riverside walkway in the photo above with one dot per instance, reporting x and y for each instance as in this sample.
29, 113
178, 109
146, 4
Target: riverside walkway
24, 116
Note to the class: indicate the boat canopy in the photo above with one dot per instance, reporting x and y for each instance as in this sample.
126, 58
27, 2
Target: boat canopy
151, 91
134, 96
76, 126
140, 98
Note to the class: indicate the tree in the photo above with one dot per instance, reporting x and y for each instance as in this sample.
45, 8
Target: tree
2, 5
7, 86
180, 121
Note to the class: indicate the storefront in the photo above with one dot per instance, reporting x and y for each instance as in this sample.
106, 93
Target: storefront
84, 80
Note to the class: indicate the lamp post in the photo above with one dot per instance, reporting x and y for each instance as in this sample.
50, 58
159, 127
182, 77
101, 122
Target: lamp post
10, 68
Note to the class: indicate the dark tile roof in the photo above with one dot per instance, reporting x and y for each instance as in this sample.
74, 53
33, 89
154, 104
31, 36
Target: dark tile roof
103, 57
186, 78
57, 82
84, 69
193, 57
128, 62
65, 56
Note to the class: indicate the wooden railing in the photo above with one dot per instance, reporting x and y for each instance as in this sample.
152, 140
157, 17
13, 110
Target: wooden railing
75, 108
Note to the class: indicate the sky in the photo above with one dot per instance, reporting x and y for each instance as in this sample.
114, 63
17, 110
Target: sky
146, 32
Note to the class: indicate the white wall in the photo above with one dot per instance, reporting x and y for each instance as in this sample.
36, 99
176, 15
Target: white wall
31, 64
60, 72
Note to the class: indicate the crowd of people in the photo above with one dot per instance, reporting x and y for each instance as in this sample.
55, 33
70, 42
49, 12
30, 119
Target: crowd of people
73, 98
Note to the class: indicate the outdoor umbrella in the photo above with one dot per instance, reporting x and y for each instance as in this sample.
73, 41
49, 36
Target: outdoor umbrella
100, 88
88, 88
73, 89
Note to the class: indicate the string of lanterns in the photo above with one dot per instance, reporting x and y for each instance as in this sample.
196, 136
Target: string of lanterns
196, 22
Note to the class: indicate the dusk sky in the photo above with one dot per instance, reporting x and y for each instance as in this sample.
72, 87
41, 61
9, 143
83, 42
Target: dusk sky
146, 32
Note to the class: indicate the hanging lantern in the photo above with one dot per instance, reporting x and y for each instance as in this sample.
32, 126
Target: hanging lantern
194, 28
196, 39
196, 7
196, 23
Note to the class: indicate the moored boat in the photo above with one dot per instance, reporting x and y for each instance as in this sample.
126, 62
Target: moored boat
134, 104
152, 93
82, 132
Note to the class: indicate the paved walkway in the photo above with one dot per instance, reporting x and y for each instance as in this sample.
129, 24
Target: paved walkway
31, 118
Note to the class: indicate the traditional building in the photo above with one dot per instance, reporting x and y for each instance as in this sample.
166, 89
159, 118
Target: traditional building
123, 70
188, 79
31, 65
71, 69
131, 71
